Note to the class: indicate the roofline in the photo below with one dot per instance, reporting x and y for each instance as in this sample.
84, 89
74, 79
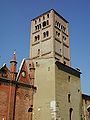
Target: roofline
68, 69
54, 12
20, 69
16, 83
3, 66
86, 96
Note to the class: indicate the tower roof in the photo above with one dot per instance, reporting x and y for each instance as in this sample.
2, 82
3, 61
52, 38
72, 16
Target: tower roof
54, 12
13, 58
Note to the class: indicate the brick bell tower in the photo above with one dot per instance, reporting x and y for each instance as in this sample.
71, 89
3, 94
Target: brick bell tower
13, 65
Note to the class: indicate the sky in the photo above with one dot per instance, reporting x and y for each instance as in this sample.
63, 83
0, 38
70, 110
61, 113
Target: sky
15, 22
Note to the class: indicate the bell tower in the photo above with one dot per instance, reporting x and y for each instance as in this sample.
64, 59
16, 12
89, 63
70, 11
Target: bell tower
50, 37
58, 84
13, 64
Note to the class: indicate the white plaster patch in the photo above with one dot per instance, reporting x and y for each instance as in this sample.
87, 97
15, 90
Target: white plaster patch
53, 105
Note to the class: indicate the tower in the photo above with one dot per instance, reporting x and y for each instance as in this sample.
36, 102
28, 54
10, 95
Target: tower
58, 84
12, 88
13, 64
50, 37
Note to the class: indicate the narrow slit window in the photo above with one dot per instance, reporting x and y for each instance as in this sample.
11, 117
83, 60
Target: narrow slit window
69, 78
69, 97
70, 113
44, 35
38, 51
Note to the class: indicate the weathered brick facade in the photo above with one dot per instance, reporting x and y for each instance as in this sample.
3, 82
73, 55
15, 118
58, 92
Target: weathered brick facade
16, 91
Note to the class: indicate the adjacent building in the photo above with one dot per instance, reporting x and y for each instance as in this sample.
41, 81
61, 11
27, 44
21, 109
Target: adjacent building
85, 107
16, 90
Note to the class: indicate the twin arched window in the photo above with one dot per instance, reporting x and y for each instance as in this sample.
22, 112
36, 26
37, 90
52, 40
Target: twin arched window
46, 34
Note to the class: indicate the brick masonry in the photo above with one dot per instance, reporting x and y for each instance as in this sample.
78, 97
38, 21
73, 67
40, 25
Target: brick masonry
16, 95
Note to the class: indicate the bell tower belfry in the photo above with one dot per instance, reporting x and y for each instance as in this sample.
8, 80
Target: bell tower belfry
50, 37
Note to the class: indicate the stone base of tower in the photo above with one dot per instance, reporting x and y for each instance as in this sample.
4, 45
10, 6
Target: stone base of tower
58, 95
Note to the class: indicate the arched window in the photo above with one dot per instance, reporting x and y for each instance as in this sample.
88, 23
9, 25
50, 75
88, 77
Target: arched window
35, 38
44, 23
47, 22
47, 33
47, 15
44, 35
30, 109
35, 27
35, 21
39, 19
64, 62
40, 26
38, 37
59, 25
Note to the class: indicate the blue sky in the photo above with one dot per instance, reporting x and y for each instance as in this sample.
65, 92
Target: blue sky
15, 17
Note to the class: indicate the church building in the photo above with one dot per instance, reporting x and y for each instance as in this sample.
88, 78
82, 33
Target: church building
17, 90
